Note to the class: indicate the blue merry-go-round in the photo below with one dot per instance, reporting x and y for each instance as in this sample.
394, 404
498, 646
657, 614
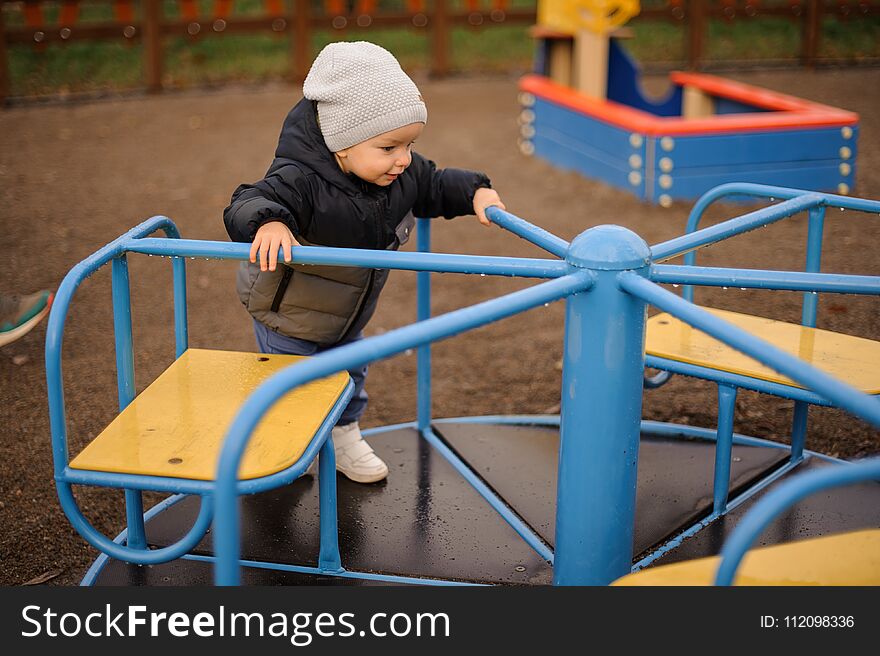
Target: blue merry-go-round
593, 496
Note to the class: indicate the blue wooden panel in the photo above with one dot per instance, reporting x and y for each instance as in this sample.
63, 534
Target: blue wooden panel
755, 147
624, 85
542, 57
728, 106
581, 128
819, 158
566, 154
818, 176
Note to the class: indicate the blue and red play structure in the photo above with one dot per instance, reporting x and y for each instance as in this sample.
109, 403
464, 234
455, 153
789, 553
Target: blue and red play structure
707, 131
587, 497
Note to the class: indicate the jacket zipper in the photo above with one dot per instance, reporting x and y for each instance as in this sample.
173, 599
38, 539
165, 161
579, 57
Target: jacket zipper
371, 280
282, 288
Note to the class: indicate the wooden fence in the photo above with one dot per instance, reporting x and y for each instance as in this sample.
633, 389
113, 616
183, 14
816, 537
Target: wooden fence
144, 21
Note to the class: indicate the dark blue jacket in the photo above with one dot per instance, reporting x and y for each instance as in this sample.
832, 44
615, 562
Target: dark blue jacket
305, 188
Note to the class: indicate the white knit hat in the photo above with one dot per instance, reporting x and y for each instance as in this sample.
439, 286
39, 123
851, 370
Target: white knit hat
361, 92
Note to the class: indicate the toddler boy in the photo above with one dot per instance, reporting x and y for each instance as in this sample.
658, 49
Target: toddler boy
344, 175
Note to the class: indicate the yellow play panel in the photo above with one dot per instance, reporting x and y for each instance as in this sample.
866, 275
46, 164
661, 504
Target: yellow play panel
854, 360
176, 426
844, 559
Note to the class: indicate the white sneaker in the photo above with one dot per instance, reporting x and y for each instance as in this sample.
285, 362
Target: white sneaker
354, 457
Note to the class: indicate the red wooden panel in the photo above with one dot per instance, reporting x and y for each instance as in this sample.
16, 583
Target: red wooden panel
33, 14
189, 9
222, 8
69, 13
335, 7
792, 113
123, 11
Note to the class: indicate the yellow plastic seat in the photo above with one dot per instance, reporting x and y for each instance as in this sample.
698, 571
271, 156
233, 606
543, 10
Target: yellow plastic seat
844, 559
855, 360
176, 426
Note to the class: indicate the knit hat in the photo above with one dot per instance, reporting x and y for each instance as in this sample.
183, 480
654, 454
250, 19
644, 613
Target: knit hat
361, 92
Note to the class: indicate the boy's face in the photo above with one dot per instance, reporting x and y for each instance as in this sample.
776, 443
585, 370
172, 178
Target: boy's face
381, 159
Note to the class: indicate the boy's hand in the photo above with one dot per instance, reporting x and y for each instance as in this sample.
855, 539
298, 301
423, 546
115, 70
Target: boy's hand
269, 238
485, 198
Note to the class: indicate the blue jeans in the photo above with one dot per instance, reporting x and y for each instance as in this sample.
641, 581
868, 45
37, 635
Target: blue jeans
268, 341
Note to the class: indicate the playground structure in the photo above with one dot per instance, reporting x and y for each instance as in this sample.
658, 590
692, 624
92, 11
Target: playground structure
449, 475
584, 109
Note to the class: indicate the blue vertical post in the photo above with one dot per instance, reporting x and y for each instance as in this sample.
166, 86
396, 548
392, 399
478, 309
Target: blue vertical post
723, 446
603, 364
423, 311
799, 430
328, 557
814, 262
134, 503
815, 228
181, 336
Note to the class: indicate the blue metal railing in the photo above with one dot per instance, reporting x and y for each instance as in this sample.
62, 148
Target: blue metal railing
862, 405
607, 279
810, 282
761, 218
778, 500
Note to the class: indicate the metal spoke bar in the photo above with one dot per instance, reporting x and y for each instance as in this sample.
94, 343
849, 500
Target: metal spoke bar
528, 231
375, 259
765, 279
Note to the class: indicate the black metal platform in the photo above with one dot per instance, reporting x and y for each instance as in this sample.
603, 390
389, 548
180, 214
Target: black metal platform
426, 521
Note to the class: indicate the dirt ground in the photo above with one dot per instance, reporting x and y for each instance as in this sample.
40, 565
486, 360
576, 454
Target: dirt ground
74, 176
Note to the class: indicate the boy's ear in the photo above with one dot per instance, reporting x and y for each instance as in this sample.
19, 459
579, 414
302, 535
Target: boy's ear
342, 153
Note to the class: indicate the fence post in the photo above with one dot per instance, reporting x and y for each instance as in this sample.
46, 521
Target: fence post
440, 39
152, 39
301, 40
811, 30
696, 32
602, 370
4, 62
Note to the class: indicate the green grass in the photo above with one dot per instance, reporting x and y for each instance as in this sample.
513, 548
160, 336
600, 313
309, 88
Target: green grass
118, 65
769, 38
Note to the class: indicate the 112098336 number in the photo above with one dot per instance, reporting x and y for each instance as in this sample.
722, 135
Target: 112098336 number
818, 621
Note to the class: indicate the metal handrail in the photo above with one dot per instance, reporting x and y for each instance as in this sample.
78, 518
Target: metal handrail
781, 498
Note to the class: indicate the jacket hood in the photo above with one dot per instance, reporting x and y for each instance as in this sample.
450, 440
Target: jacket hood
301, 141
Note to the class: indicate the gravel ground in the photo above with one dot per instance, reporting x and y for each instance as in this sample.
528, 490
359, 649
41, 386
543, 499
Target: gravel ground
74, 176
